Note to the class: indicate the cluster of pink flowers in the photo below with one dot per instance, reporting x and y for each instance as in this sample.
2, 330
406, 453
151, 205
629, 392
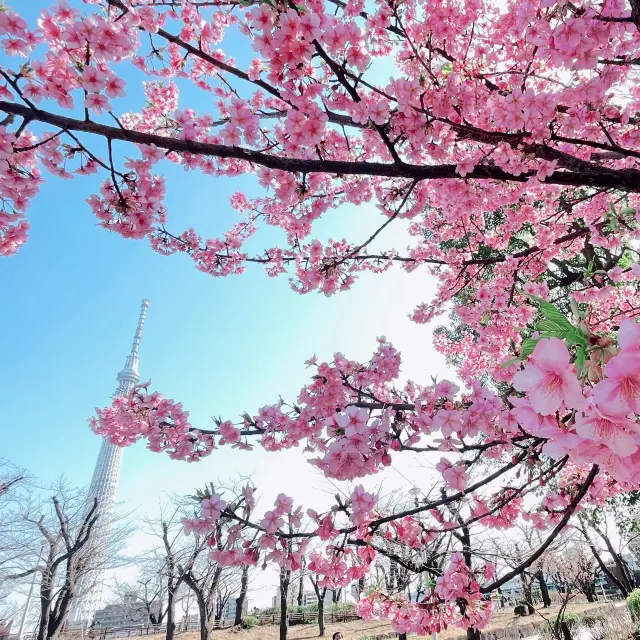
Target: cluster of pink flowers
411, 532
606, 427
455, 601
362, 506
19, 182
160, 420
340, 566
506, 180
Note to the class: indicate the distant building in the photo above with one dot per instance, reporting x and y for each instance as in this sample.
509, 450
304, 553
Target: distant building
309, 598
512, 590
229, 611
128, 613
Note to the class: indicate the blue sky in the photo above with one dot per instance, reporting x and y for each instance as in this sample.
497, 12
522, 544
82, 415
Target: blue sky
71, 299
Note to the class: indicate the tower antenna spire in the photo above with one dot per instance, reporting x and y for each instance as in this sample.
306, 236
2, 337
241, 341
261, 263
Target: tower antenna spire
129, 376
138, 334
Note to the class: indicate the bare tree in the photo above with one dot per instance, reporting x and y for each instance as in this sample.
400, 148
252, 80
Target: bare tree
510, 551
55, 529
149, 591
572, 572
173, 555
321, 593
595, 524
11, 479
204, 579
173, 573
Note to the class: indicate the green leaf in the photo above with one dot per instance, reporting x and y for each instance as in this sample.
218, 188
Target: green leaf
552, 328
510, 361
576, 338
527, 347
580, 359
551, 312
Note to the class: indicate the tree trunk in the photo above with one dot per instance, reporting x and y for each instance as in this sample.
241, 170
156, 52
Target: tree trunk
202, 612
526, 593
284, 614
544, 590
473, 634
566, 632
209, 626
603, 567
321, 617
171, 614
301, 590
242, 597
619, 562
45, 608
58, 617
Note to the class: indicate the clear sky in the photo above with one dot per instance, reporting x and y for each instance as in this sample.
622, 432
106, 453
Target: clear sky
70, 301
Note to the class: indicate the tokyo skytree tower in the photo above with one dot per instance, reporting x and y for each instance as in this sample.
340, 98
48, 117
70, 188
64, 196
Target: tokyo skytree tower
104, 486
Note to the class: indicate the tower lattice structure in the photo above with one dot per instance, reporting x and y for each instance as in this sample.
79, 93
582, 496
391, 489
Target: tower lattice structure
103, 488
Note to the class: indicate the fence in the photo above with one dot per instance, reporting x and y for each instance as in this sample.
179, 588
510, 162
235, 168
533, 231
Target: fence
104, 633
134, 631
128, 632
309, 617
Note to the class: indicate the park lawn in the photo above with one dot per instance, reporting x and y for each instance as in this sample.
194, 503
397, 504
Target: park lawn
361, 629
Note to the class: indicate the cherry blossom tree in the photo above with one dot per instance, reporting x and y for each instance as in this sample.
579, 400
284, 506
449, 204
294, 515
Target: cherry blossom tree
503, 135
212, 581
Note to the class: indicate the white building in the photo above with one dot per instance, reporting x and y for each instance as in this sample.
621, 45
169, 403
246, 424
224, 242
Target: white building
128, 613
309, 598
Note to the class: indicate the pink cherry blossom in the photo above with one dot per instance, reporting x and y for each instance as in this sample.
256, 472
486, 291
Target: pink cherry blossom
616, 434
454, 475
629, 335
362, 505
213, 507
548, 379
271, 522
229, 433
619, 393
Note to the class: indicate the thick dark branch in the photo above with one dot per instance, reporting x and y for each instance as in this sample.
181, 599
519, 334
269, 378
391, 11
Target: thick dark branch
454, 497
64, 523
623, 179
584, 487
